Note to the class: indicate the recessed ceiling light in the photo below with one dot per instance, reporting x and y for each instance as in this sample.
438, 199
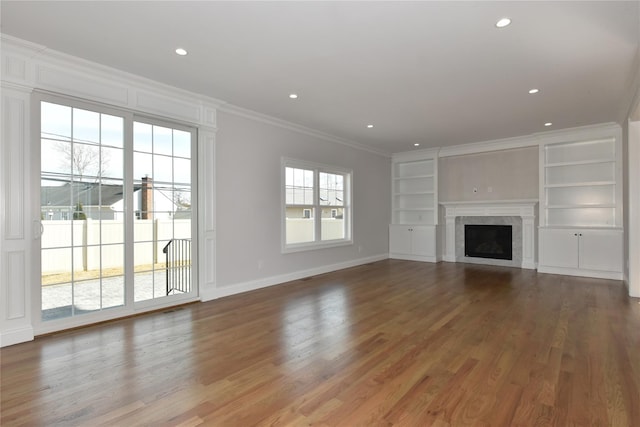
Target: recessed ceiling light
293, 95
369, 126
503, 22
180, 51
548, 124
532, 91
417, 144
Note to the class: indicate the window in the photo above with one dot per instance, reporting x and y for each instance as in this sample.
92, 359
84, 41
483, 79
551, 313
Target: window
316, 207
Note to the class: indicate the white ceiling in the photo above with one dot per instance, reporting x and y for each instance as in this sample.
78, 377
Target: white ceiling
436, 73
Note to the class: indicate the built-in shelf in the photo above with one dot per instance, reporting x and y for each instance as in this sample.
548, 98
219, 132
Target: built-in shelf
414, 189
581, 206
580, 183
583, 162
414, 200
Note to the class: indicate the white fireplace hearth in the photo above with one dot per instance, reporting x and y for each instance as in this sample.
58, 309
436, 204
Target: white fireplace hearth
520, 214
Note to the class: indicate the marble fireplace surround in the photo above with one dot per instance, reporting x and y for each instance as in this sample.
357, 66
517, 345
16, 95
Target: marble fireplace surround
520, 214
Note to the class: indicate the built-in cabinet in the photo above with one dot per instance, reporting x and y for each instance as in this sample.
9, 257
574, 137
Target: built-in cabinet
581, 205
412, 234
412, 242
584, 251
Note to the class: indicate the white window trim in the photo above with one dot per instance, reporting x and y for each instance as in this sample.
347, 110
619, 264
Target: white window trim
348, 206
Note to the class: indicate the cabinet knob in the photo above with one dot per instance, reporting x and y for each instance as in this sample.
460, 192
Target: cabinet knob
575, 234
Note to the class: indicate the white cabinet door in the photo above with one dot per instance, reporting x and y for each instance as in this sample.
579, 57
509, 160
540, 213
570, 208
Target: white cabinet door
559, 248
601, 250
400, 239
423, 241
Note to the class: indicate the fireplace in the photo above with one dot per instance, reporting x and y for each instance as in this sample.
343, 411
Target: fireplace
488, 241
519, 214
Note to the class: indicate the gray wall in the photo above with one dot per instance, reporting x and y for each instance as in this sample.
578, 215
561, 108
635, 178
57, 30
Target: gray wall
248, 198
497, 175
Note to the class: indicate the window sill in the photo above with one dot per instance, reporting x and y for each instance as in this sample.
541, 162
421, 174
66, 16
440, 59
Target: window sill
311, 246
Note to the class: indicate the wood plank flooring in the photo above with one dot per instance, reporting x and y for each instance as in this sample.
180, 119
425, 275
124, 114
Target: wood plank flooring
394, 343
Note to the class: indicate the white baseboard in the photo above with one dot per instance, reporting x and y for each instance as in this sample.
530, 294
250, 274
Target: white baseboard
252, 285
613, 275
16, 336
422, 258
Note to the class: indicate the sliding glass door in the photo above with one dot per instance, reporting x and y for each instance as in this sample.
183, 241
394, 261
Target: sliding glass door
116, 210
162, 215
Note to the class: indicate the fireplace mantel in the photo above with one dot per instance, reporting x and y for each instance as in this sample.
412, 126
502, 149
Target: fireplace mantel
525, 209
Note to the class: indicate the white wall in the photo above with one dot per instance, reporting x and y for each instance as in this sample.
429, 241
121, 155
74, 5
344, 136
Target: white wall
249, 203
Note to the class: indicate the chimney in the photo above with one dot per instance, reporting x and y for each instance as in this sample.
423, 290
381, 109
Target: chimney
146, 208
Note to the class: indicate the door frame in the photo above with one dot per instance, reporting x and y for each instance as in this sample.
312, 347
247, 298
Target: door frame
130, 307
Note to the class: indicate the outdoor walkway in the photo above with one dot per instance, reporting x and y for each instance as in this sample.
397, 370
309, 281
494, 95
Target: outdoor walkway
62, 301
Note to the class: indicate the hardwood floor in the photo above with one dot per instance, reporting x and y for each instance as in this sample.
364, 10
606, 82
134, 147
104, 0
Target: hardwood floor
394, 343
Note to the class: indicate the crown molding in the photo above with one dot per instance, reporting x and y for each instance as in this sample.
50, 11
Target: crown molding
425, 153
487, 146
601, 130
581, 133
264, 118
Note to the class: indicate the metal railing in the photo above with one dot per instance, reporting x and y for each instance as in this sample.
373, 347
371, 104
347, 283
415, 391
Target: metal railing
178, 265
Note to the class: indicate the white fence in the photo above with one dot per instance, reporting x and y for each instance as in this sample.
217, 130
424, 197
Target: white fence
90, 244
302, 229
93, 244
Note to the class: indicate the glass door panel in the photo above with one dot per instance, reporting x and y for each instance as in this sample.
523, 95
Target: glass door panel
162, 211
81, 183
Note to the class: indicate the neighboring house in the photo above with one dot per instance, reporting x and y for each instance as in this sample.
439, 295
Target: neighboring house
106, 201
60, 202
327, 212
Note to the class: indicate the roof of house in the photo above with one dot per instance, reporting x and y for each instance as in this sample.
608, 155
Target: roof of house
88, 194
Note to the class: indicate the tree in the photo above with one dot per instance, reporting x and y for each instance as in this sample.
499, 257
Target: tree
85, 160
182, 200
78, 213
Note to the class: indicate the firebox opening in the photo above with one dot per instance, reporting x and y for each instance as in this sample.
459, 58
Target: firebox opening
488, 241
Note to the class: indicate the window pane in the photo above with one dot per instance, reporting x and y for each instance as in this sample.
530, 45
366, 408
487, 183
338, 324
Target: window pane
299, 186
332, 225
331, 189
142, 166
142, 230
55, 157
56, 266
111, 231
111, 159
86, 163
55, 121
162, 169
142, 137
182, 200
86, 296
182, 171
111, 130
181, 143
86, 126
300, 225
162, 140
112, 260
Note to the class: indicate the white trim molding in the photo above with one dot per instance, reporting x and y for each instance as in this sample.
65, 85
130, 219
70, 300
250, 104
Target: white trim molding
523, 208
284, 278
